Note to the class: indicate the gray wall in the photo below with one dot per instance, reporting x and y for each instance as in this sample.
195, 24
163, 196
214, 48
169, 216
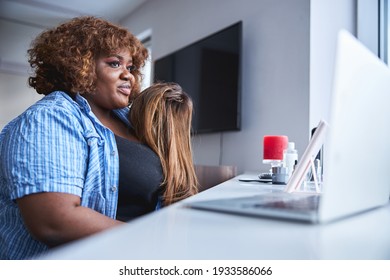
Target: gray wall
288, 49
275, 77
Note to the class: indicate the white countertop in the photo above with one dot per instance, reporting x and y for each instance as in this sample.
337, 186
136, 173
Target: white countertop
177, 232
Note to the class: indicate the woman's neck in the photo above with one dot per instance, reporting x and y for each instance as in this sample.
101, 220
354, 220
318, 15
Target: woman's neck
110, 120
117, 126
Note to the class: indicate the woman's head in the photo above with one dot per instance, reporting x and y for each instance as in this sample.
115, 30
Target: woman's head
64, 58
163, 109
161, 117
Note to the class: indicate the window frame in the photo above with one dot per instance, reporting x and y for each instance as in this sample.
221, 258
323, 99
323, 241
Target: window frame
147, 71
373, 26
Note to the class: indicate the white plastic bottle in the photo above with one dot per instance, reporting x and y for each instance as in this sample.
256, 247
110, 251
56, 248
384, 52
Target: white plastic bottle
290, 157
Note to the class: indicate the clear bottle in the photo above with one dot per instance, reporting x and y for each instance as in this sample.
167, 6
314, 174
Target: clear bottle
290, 158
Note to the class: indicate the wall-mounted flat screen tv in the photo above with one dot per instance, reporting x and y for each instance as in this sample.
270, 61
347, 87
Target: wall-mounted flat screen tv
209, 70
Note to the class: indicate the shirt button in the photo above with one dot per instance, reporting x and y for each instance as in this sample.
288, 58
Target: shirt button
113, 153
113, 188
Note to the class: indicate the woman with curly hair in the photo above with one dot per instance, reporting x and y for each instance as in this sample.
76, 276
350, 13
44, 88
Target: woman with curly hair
60, 171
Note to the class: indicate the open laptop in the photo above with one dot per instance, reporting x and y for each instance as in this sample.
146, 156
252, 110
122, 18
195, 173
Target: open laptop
356, 153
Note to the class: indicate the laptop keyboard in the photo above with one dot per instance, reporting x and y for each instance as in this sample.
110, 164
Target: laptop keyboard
299, 204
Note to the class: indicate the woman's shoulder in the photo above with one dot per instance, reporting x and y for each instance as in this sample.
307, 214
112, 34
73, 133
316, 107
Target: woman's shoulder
54, 107
53, 113
56, 100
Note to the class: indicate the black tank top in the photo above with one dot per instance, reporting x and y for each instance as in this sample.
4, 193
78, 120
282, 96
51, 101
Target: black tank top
140, 176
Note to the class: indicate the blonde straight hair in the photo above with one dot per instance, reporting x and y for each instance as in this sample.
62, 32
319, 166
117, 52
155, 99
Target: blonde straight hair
161, 117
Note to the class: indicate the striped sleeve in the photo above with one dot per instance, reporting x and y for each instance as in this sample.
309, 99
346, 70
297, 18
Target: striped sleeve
46, 153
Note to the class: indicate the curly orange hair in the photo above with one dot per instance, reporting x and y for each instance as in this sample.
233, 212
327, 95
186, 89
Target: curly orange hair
63, 58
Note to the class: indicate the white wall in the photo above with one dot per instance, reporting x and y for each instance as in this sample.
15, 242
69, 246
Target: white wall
275, 84
326, 19
15, 96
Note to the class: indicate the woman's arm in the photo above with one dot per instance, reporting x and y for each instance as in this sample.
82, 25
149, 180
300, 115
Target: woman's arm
57, 218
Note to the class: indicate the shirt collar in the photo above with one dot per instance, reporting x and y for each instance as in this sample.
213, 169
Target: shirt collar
122, 113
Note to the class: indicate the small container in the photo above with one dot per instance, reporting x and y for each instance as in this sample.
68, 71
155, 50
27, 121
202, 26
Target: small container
290, 157
279, 175
273, 147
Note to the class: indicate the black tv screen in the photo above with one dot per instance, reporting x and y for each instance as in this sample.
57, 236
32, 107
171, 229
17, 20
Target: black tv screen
209, 70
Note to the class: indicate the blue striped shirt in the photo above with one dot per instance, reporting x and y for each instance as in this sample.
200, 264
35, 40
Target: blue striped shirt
57, 145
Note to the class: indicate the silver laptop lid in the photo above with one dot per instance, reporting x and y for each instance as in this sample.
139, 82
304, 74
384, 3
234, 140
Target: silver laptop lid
357, 150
